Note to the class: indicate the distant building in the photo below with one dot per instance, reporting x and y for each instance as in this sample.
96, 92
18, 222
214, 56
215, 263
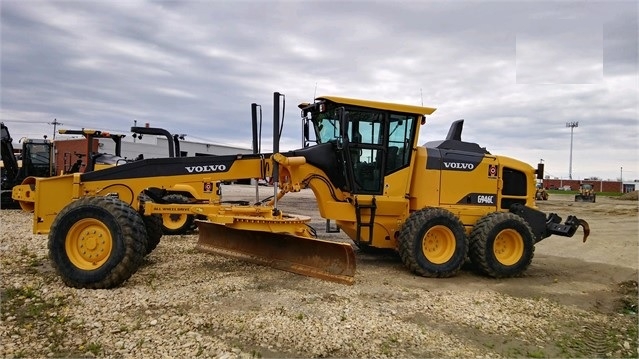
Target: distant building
629, 186
158, 146
598, 185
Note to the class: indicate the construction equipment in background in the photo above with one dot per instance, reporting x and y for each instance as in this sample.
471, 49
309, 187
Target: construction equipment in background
586, 193
35, 160
436, 204
541, 194
91, 159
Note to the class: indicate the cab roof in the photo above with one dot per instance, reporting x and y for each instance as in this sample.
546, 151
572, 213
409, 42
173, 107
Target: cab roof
421, 110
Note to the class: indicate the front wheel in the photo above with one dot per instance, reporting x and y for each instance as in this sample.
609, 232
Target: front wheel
502, 245
433, 243
97, 242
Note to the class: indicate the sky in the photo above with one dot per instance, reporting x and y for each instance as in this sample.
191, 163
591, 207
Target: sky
517, 72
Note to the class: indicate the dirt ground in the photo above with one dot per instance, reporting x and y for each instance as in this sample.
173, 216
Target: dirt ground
564, 269
575, 300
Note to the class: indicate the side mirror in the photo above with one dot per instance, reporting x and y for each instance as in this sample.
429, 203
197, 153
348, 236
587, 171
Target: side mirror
540, 171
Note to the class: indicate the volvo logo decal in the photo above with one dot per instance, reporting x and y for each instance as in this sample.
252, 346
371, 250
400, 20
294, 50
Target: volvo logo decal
206, 168
464, 166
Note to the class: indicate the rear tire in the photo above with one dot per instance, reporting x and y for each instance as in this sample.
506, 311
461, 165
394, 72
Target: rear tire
433, 243
177, 223
502, 245
97, 242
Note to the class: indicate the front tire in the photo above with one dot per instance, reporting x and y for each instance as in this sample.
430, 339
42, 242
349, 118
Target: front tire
502, 245
97, 242
433, 243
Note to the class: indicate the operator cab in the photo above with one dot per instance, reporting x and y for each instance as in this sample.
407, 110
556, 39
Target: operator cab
39, 163
358, 143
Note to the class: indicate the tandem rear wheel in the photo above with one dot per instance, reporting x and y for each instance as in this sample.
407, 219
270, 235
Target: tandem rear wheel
97, 242
173, 223
501, 245
154, 232
432, 243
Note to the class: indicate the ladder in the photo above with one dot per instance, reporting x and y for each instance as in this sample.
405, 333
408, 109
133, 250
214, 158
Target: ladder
371, 221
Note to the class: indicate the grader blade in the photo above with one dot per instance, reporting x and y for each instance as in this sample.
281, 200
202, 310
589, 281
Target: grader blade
317, 258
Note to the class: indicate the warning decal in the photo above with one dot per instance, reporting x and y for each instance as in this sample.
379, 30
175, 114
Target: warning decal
492, 170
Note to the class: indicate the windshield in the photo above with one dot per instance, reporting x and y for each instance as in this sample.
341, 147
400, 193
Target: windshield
40, 154
326, 126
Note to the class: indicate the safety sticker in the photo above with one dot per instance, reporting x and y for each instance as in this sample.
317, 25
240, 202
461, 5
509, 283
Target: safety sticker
492, 170
208, 187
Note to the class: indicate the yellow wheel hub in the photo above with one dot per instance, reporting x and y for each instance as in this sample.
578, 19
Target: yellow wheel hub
508, 247
438, 245
88, 244
174, 221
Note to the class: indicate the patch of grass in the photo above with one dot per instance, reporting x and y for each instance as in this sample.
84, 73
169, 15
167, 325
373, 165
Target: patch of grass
536, 354
389, 344
200, 350
30, 311
630, 297
137, 325
140, 342
9, 294
24, 251
386, 349
94, 348
26, 304
514, 353
489, 345
617, 336
151, 280
34, 261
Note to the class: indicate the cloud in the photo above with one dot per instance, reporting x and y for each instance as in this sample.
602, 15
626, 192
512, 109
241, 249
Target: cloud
516, 72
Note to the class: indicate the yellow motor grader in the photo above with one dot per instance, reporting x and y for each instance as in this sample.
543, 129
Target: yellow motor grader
586, 193
436, 204
541, 194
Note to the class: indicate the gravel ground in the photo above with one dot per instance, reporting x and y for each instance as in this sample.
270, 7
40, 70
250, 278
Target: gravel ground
183, 303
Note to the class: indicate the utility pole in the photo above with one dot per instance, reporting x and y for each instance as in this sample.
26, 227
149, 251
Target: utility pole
572, 126
621, 179
55, 124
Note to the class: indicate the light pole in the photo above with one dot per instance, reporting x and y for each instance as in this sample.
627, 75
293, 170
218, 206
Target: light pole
572, 126
55, 124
